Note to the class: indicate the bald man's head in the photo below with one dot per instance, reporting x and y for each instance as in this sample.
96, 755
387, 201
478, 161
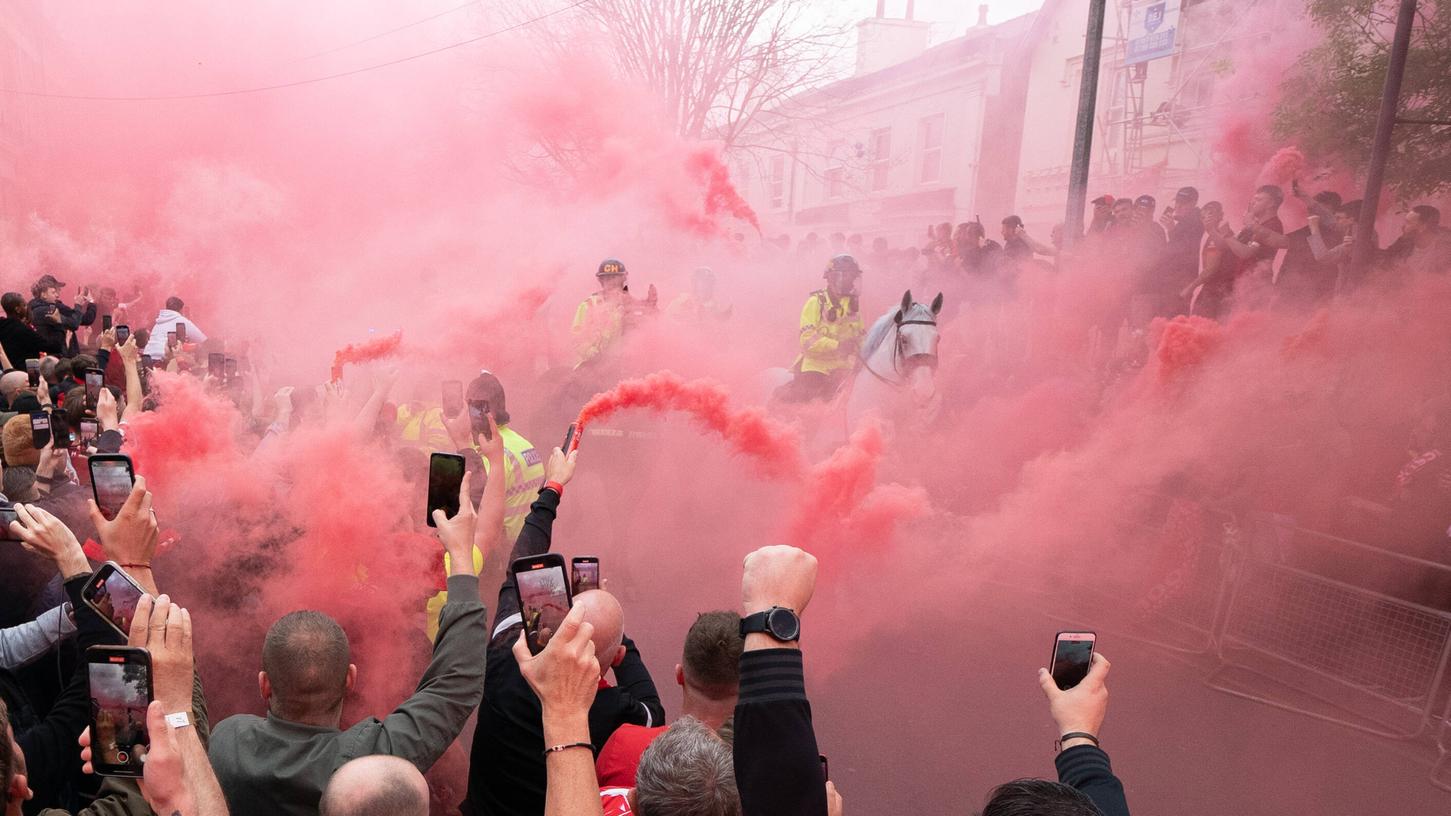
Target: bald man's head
11, 382
376, 786
603, 612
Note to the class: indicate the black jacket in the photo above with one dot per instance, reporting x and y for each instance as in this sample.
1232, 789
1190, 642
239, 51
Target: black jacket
20, 342
1086, 769
54, 334
506, 766
778, 768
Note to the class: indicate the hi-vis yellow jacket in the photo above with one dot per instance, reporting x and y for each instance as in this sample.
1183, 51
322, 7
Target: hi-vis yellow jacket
831, 333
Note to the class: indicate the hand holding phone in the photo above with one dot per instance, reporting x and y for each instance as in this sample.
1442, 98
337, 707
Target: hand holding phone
1082, 705
112, 480
123, 332
571, 439
445, 479
479, 412
543, 597
121, 693
114, 596
40, 429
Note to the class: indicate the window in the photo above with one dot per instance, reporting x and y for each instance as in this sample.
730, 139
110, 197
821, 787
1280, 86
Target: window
835, 182
881, 156
776, 184
930, 140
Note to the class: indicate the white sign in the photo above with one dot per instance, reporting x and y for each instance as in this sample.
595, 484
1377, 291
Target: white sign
1152, 25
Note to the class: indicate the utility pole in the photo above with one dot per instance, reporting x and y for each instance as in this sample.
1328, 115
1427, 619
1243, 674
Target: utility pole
1385, 124
1083, 135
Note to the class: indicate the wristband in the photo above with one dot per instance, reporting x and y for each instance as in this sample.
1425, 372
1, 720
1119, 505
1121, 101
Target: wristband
1058, 743
178, 720
556, 487
554, 749
135, 566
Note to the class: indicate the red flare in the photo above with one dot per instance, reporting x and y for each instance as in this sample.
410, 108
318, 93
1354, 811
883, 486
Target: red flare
374, 349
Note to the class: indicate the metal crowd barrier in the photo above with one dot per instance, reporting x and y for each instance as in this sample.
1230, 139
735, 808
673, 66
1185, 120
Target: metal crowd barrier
1441, 771
1342, 652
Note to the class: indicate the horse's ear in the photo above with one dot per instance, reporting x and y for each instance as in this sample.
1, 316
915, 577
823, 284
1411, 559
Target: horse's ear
907, 300
937, 304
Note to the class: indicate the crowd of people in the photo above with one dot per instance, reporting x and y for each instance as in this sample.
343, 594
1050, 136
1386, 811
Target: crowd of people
578, 728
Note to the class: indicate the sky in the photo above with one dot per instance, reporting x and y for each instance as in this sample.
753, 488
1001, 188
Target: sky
950, 17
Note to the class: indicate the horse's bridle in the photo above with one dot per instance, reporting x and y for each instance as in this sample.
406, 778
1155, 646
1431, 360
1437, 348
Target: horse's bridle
896, 352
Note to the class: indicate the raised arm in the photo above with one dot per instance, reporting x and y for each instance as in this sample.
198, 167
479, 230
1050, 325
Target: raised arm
423, 727
565, 677
131, 363
130, 538
1080, 711
538, 530
26, 643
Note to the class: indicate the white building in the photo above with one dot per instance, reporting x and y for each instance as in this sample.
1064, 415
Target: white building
918, 135
23, 31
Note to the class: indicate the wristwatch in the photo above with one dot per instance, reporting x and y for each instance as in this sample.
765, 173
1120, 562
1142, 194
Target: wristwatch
778, 622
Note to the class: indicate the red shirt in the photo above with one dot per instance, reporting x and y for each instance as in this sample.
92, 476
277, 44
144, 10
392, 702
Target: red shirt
620, 757
615, 801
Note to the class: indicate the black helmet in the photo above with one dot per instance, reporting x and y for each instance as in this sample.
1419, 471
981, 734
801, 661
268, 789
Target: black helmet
844, 266
610, 267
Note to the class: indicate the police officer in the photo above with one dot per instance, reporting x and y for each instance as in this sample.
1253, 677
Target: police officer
831, 334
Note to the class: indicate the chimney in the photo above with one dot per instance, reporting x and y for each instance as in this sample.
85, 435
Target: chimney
982, 15
882, 41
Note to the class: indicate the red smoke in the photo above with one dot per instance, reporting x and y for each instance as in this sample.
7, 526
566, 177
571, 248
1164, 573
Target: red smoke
772, 447
1184, 344
1283, 167
704, 165
366, 352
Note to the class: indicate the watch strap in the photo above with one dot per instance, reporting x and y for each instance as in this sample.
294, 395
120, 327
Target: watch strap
756, 623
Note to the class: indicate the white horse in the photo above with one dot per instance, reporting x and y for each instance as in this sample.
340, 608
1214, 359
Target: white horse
896, 376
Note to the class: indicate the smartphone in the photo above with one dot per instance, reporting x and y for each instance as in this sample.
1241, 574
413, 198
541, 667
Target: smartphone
453, 398
7, 515
170, 339
113, 595
181, 332
95, 380
479, 418
584, 574
39, 429
120, 679
111, 481
229, 370
60, 430
123, 333
146, 362
445, 474
216, 365
825, 768
105, 322
1072, 654
571, 439
32, 370
90, 432
543, 595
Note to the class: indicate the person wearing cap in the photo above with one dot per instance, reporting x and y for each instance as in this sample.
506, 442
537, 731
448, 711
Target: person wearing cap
1183, 225
523, 471
699, 304
18, 339
831, 333
56, 322
601, 319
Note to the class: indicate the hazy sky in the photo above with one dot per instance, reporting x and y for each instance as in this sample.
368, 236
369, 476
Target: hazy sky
952, 17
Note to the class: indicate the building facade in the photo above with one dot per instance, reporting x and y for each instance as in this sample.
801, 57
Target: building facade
918, 135
23, 33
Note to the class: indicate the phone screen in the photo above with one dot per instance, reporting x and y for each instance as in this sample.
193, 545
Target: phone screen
95, 378
90, 430
60, 430
120, 680
181, 332
479, 418
123, 332
1072, 654
445, 473
32, 370
216, 365
111, 479
585, 575
105, 322
114, 596
230, 369
39, 429
170, 339
543, 603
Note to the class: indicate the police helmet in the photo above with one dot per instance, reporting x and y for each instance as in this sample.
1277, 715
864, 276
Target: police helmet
610, 267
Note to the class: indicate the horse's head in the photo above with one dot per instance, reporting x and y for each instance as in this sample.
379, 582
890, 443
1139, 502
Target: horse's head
916, 351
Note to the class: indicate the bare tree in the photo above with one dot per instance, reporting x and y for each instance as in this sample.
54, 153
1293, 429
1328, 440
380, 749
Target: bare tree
717, 64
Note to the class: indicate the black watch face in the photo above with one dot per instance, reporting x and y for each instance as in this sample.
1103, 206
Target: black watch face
783, 624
